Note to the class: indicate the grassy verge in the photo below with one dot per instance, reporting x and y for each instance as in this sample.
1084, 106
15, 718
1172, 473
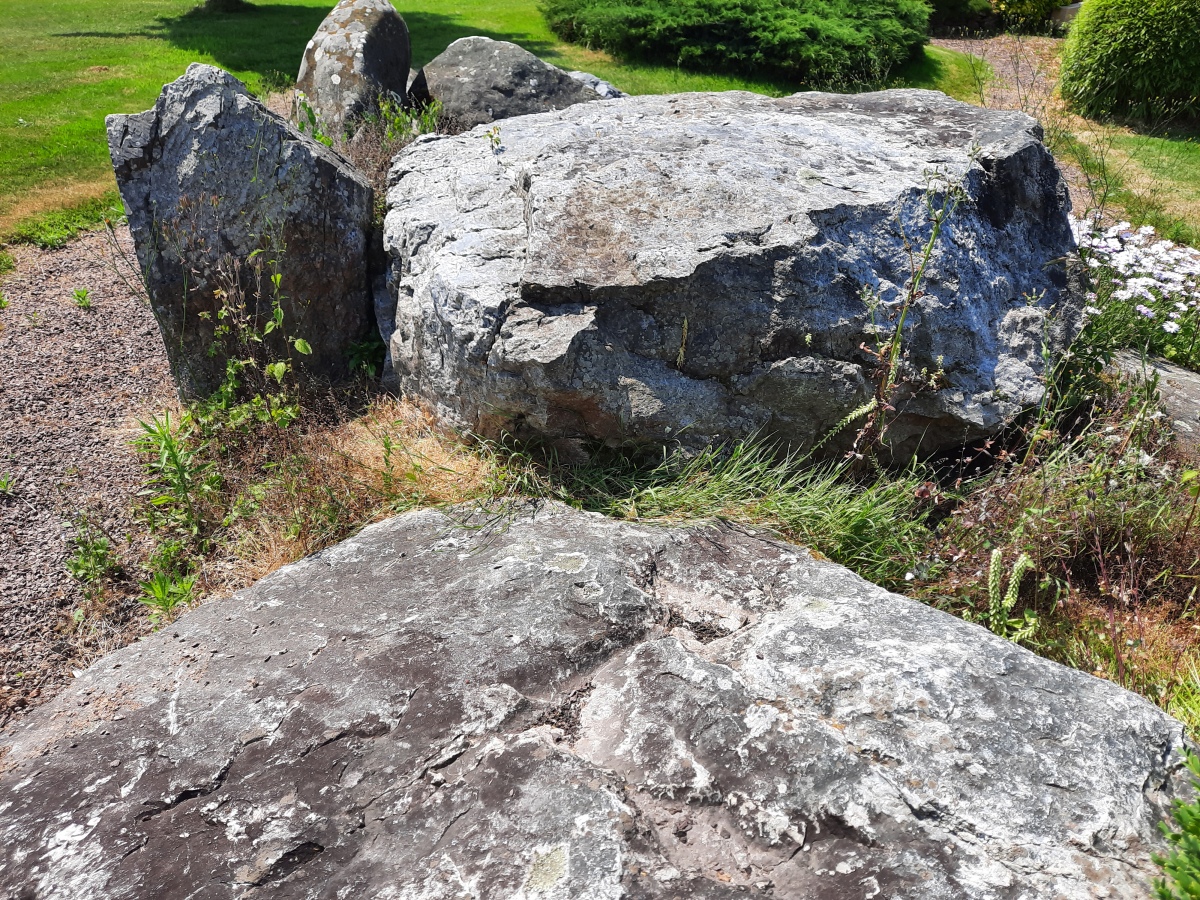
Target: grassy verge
69, 63
1162, 187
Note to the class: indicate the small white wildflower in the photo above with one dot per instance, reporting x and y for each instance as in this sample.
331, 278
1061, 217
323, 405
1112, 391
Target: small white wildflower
1145, 311
1091, 311
1171, 327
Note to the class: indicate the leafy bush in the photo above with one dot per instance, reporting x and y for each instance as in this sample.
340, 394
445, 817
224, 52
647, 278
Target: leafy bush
946, 14
1024, 15
1136, 58
815, 41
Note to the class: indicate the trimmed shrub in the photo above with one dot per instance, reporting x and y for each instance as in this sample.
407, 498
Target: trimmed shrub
1134, 58
825, 42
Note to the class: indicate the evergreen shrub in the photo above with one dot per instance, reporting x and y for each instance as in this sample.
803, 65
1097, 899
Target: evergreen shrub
818, 42
946, 15
1025, 15
1136, 59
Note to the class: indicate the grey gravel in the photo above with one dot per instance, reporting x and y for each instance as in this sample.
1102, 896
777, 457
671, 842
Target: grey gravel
72, 385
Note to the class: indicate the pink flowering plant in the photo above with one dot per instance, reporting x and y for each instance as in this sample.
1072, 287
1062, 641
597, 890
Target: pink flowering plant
1144, 292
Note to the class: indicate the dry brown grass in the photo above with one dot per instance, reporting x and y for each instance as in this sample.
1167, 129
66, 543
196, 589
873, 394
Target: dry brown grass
51, 198
303, 489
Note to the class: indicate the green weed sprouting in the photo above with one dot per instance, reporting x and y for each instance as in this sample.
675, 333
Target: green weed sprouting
308, 122
8, 484
181, 481
892, 375
998, 617
93, 559
82, 298
164, 593
367, 356
1181, 864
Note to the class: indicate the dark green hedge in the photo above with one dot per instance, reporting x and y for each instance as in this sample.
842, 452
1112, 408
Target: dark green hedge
1134, 58
819, 42
948, 14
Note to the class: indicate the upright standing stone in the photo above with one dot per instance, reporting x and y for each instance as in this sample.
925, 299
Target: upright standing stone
360, 52
222, 195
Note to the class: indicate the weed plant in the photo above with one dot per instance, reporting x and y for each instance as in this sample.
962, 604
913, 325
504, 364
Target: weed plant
1181, 864
93, 559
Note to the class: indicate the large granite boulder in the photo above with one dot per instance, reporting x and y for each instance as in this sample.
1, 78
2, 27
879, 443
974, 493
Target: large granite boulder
692, 267
478, 80
564, 706
361, 52
222, 195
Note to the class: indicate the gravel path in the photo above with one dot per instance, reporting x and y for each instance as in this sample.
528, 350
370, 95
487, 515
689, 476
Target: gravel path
73, 384
1025, 77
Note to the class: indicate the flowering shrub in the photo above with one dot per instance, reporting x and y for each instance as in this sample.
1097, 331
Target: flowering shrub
1145, 291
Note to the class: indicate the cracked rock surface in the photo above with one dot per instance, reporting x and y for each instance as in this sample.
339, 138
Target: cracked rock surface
693, 267
561, 705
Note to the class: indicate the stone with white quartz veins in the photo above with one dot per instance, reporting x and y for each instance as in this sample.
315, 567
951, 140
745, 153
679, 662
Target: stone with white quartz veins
565, 706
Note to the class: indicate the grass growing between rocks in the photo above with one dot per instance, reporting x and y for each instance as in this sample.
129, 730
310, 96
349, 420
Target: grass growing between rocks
1091, 493
231, 503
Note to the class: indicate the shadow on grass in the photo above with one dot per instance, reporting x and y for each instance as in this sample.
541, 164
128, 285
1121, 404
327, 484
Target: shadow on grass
269, 39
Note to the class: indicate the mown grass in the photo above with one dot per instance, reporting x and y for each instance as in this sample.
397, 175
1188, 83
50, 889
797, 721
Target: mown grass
1165, 191
69, 63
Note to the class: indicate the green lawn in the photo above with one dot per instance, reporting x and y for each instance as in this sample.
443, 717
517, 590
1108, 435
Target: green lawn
68, 63
1169, 198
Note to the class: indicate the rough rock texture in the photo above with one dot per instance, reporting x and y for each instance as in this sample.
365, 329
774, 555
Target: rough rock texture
361, 51
479, 80
601, 87
546, 285
209, 176
1178, 390
561, 705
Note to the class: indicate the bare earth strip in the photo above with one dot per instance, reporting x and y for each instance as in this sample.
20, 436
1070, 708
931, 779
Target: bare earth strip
73, 384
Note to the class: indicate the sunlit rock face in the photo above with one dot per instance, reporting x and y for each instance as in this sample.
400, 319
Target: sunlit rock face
693, 268
555, 704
